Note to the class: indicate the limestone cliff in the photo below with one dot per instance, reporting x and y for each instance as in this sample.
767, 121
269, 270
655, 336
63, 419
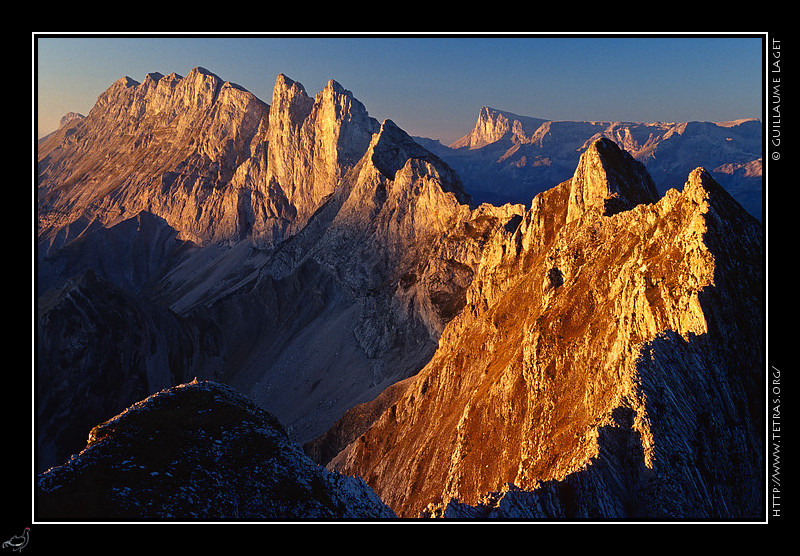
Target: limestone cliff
350, 249
604, 364
312, 144
203, 154
170, 145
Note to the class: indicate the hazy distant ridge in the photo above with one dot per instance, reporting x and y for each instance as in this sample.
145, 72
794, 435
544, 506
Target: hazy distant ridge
508, 157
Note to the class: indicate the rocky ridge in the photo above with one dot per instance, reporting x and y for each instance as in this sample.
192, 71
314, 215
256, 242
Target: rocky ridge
582, 371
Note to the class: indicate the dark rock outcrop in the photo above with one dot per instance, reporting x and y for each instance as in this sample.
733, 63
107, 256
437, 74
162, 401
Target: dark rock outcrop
197, 451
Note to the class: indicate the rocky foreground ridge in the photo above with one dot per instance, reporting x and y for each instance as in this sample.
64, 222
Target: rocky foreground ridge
198, 451
596, 354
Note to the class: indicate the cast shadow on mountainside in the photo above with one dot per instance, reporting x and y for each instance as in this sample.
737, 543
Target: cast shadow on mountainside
658, 308
704, 464
614, 485
702, 398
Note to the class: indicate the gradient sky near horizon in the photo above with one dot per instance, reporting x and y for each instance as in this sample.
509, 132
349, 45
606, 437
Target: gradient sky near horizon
432, 86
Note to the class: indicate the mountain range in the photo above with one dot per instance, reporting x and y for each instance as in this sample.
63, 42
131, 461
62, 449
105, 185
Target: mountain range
511, 158
222, 281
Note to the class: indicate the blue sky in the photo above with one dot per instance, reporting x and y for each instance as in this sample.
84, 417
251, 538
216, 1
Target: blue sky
433, 86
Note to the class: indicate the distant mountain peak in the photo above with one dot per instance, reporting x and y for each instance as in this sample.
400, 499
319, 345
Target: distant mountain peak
510, 158
494, 125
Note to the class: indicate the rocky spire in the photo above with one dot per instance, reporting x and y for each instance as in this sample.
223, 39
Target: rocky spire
393, 147
313, 142
608, 180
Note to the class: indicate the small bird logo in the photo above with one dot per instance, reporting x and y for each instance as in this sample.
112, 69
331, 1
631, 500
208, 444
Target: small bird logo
18, 542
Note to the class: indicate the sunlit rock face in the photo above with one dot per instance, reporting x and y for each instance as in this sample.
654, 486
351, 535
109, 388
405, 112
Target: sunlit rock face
593, 353
608, 180
353, 249
582, 370
197, 451
313, 142
170, 145
205, 155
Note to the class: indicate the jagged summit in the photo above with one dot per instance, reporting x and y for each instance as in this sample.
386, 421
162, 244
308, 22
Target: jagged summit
608, 180
201, 70
554, 377
290, 96
700, 177
337, 88
284, 81
392, 147
155, 76
126, 82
